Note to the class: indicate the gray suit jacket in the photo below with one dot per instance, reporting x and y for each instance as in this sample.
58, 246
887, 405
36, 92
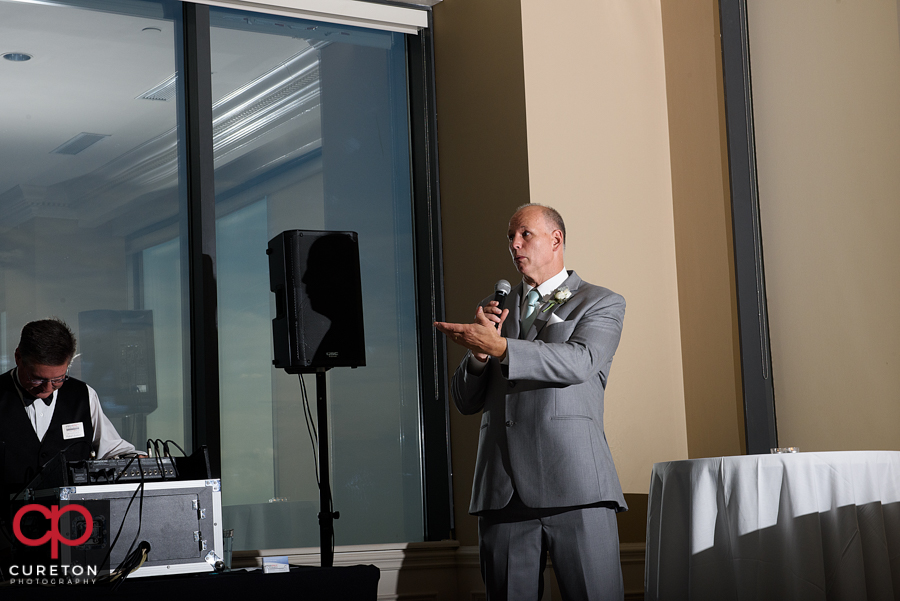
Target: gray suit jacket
542, 423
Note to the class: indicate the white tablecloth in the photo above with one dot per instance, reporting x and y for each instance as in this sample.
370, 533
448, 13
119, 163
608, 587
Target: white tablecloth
771, 527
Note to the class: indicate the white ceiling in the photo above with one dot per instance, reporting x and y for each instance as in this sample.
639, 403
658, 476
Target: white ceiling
87, 71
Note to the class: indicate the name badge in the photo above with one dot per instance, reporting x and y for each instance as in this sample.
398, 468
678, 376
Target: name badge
75, 430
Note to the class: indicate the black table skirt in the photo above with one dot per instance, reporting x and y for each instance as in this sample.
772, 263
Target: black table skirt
349, 583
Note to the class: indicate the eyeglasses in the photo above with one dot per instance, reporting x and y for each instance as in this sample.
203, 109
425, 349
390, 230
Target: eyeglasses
55, 382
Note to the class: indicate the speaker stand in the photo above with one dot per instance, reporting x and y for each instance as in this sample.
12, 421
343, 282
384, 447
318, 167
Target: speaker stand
326, 515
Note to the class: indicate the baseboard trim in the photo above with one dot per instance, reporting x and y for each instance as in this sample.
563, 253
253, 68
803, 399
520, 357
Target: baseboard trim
430, 571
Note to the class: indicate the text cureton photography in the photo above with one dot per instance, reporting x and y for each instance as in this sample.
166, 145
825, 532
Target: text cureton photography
40, 574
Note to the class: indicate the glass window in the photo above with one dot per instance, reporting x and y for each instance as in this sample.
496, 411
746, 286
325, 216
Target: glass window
92, 204
311, 132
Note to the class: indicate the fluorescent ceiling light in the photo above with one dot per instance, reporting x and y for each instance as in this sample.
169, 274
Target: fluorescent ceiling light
78, 143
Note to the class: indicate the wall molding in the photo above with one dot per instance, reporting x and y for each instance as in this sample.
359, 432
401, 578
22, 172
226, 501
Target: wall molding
631, 556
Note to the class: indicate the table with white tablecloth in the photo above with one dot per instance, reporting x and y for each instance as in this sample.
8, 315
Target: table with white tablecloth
771, 527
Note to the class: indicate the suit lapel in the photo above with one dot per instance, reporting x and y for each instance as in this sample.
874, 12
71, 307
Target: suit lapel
543, 317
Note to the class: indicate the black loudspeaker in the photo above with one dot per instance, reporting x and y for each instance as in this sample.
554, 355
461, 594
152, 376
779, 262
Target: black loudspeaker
118, 359
318, 301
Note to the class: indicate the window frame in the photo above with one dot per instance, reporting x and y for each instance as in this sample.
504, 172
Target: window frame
760, 429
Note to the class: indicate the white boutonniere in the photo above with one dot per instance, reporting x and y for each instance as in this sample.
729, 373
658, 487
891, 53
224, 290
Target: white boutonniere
559, 297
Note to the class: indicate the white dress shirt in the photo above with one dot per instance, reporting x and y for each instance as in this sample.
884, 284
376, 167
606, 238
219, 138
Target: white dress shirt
545, 289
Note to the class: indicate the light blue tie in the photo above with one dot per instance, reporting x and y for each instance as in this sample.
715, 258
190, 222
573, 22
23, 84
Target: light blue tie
532, 300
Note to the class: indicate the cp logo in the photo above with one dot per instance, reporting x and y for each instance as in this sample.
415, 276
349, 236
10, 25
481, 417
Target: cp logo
53, 514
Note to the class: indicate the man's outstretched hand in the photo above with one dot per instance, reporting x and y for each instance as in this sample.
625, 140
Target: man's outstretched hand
482, 336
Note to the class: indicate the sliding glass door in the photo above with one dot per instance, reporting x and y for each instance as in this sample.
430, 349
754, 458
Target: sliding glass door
106, 220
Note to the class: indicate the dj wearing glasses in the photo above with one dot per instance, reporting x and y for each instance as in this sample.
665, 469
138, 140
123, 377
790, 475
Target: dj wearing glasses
44, 412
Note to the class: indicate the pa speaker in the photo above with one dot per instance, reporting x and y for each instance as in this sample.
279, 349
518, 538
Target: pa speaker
318, 301
118, 359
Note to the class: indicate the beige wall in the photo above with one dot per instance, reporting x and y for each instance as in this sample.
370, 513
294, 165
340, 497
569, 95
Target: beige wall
598, 150
826, 89
703, 236
566, 105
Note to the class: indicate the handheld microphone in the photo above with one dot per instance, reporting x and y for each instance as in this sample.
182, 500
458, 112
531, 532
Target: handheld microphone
501, 290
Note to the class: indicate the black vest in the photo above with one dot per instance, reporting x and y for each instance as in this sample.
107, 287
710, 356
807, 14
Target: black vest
24, 453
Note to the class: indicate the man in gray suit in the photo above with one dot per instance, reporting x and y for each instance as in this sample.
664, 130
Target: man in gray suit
544, 477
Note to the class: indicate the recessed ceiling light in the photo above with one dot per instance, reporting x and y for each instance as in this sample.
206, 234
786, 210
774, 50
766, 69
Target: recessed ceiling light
152, 30
17, 57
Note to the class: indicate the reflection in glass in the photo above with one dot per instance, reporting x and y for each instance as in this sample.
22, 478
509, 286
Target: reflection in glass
90, 194
311, 133
331, 281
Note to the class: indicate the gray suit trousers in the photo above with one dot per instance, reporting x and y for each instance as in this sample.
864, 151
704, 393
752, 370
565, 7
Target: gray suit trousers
583, 544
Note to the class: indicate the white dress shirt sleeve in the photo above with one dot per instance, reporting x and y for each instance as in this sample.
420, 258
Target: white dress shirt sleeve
107, 442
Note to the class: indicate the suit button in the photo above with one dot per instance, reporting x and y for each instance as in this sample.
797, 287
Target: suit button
509, 423
512, 383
